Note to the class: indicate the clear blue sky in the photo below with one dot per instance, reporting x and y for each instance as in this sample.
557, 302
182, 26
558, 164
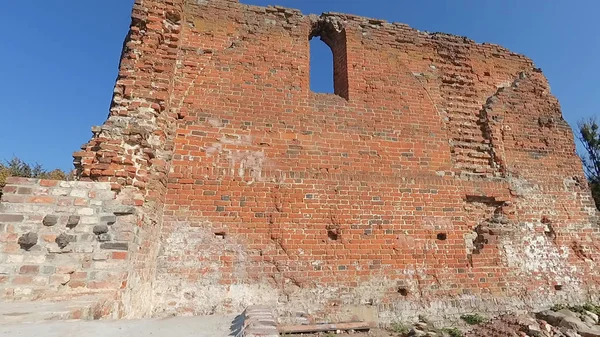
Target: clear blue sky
59, 58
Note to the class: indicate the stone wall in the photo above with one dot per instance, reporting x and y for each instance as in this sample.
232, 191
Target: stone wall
63, 239
439, 178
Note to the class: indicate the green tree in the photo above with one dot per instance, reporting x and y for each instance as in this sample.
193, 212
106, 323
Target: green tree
589, 135
19, 168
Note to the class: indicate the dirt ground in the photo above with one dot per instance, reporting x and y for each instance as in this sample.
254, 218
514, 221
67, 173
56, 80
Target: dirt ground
371, 333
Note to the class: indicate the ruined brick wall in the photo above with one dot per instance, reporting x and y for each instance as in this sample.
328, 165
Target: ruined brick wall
133, 149
130, 155
439, 177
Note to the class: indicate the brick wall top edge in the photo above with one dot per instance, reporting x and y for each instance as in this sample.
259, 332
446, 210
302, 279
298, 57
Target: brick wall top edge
373, 23
21, 181
50, 183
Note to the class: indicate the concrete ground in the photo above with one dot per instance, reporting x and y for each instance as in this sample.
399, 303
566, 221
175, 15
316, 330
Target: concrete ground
208, 326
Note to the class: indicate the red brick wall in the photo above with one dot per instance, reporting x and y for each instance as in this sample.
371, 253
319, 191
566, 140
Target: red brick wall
440, 177
133, 148
405, 189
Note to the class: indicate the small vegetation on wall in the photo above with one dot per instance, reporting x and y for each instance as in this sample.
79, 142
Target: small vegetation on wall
589, 135
581, 309
453, 332
399, 328
19, 168
473, 319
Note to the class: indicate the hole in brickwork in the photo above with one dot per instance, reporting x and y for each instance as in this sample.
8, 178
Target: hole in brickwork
558, 287
334, 231
220, 235
174, 18
403, 291
442, 236
480, 241
550, 233
322, 68
332, 234
549, 230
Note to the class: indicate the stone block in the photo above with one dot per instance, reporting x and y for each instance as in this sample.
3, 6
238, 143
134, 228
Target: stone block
61, 279
7, 269
592, 315
124, 236
21, 181
105, 237
14, 199
24, 190
120, 209
104, 195
89, 220
100, 229
115, 245
62, 192
29, 269
19, 291
65, 184
83, 249
14, 258
591, 331
81, 202
108, 219
85, 211
79, 193
108, 265
37, 258
87, 237
28, 240
49, 183
100, 256
11, 217
50, 220
102, 186
66, 268
94, 202
73, 221
84, 185
64, 239
9, 190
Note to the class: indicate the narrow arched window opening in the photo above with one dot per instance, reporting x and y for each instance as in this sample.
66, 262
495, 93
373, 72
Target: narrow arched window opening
328, 59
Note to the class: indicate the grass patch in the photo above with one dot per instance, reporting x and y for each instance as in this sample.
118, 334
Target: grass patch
578, 308
473, 319
453, 332
399, 328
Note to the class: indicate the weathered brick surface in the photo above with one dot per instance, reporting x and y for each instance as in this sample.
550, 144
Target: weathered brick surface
439, 177
133, 148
